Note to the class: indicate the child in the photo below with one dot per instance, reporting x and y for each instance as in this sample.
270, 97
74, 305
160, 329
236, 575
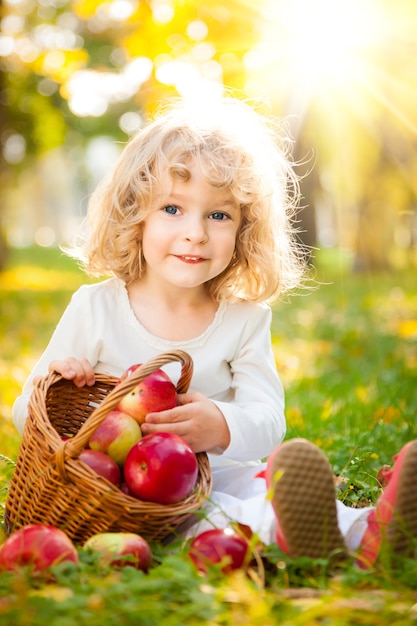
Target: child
194, 230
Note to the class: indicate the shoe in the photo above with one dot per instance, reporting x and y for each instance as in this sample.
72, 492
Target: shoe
393, 522
302, 490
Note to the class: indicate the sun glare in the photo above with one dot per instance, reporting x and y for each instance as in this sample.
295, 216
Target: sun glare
324, 37
349, 62
343, 74
316, 45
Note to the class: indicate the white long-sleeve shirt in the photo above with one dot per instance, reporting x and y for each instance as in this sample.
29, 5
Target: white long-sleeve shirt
233, 361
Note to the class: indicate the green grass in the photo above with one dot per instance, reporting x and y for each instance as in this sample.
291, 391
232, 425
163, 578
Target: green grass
347, 356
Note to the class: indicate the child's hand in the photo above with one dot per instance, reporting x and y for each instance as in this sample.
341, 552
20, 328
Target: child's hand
197, 420
77, 370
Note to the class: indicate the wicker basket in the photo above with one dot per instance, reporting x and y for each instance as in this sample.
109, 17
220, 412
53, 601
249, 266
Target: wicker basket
51, 485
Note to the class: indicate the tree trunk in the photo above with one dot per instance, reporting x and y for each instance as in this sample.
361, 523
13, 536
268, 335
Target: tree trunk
3, 164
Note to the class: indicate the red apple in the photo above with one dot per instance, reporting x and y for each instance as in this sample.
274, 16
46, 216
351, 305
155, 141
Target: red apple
102, 464
116, 435
127, 373
126, 490
161, 468
38, 546
156, 392
219, 545
119, 549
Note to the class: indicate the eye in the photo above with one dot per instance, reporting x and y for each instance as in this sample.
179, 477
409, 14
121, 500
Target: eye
219, 216
171, 209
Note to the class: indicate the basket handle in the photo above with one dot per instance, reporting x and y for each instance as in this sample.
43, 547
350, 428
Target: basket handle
73, 447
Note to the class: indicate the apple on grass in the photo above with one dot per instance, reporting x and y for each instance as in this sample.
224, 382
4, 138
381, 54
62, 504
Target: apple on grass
37, 545
154, 393
221, 546
102, 464
116, 435
119, 549
161, 468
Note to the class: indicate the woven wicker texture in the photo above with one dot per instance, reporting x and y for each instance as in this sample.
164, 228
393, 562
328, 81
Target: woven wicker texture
51, 485
304, 498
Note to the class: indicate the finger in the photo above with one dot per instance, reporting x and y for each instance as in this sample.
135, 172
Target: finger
175, 428
77, 370
89, 374
63, 367
164, 417
188, 398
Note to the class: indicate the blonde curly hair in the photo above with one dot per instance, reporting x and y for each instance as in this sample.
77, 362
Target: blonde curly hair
239, 151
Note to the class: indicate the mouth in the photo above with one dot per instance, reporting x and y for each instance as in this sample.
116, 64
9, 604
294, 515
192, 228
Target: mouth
186, 258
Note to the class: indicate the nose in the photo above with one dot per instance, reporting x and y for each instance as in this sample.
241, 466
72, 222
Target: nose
196, 230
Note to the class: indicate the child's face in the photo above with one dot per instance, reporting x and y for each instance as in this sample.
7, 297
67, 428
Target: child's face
189, 235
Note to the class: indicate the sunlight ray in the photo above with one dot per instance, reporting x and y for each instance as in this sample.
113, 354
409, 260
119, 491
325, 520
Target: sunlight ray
382, 84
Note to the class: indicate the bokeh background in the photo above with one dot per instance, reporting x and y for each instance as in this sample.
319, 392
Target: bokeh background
78, 77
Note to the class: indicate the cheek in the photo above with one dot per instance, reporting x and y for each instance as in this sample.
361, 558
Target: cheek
226, 247
229, 242
150, 244
152, 232
157, 239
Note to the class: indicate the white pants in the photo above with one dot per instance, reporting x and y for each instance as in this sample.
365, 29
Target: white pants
239, 496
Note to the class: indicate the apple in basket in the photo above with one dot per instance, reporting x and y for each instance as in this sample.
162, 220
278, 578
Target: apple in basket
102, 464
156, 392
37, 545
116, 435
161, 468
221, 546
119, 549
126, 490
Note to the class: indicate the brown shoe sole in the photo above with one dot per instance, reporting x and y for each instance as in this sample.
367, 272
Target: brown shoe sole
304, 499
402, 530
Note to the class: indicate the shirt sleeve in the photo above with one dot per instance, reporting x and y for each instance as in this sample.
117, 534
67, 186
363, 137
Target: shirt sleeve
72, 337
255, 416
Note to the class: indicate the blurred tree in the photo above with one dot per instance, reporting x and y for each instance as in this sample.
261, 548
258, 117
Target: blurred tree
346, 72
3, 179
75, 69
80, 65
